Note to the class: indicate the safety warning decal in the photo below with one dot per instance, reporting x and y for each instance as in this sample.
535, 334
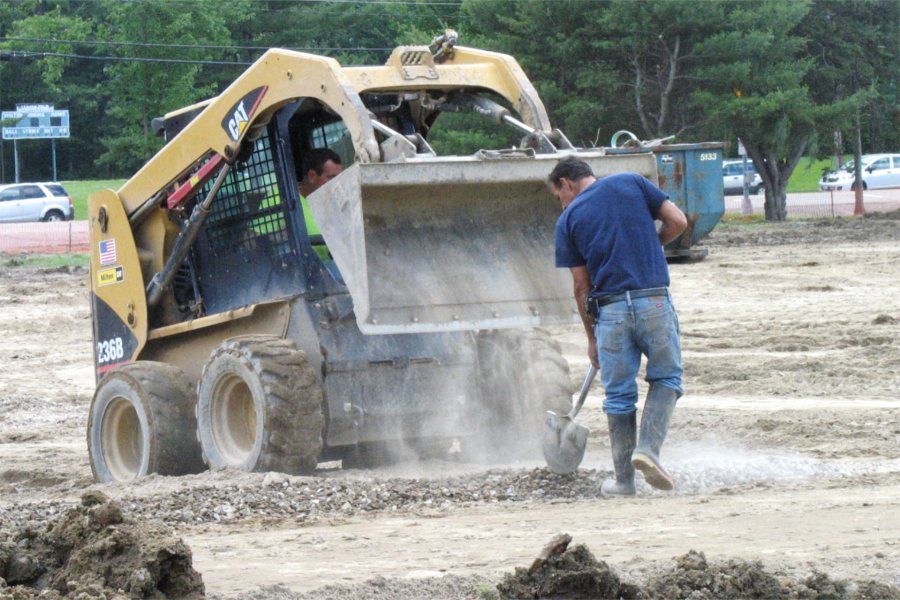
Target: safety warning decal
110, 276
108, 252
237, 119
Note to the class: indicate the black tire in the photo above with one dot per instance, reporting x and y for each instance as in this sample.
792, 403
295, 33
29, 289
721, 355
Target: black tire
259, 407
853, 186
142, 421
521, 375
54, 216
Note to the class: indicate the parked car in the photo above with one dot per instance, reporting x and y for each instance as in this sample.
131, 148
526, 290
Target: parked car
878, 171
733, 177
35, 202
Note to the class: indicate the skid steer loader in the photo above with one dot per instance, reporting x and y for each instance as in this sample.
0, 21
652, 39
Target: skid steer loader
224, 339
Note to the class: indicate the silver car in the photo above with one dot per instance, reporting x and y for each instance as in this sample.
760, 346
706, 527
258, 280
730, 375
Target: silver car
21, 202
733, 177
878, 171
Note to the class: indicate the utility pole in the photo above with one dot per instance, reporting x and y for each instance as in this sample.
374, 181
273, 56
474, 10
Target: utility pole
838, 144
3, 56
746, 205
858, 208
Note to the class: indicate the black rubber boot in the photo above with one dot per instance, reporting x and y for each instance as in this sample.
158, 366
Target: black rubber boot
654, 426
622, 432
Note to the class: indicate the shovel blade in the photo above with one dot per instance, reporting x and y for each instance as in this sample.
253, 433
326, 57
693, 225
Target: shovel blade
564, 442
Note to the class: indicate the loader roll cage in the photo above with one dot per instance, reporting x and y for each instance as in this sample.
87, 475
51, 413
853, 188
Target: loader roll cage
254, 245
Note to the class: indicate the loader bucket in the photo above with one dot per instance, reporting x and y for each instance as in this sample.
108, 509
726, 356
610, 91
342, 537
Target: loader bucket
450, 244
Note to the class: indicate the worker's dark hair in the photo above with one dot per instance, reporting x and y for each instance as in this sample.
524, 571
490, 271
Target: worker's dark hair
315, 159
571, 168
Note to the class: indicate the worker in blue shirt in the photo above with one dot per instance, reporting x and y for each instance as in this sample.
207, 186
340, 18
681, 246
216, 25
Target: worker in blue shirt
607, 236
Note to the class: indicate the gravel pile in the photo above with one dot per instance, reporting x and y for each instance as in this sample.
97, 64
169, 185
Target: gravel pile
227, 496
276, 496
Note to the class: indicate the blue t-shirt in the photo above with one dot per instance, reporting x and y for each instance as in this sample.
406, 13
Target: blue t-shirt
609, 229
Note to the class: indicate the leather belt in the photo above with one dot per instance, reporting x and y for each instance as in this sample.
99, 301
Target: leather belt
604, 300
593, 303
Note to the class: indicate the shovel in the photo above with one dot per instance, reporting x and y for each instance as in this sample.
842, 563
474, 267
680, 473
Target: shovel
564, 440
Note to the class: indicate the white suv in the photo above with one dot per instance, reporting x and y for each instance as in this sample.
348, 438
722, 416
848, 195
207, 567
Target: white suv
878, 171
733, 177
21, 202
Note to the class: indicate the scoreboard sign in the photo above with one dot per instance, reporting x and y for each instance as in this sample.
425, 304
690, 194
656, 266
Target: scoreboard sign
36, 121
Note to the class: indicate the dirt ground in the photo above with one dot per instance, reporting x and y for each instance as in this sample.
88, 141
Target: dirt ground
785, 448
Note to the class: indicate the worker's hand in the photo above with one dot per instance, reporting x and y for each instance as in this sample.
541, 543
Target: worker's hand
592, 353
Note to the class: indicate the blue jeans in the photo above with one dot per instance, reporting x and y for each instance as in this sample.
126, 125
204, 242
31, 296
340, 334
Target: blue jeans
625, 330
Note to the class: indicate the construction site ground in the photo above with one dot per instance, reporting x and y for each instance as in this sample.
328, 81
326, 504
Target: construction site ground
785, 447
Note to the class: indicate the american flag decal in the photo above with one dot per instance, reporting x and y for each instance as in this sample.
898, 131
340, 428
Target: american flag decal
108, 252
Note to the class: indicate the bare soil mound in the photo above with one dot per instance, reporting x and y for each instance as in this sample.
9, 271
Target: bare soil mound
95, 551
562, 572
871, 227
695, 578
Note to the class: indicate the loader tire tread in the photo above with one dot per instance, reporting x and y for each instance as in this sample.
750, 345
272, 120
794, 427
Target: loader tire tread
550, 373
168, 402
291, 438
521, 375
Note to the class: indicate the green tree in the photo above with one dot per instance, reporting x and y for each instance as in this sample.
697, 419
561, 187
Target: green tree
47, 76
559, 45
53, 25
140, 89
652, 47
852, 43
780, 74
755, 87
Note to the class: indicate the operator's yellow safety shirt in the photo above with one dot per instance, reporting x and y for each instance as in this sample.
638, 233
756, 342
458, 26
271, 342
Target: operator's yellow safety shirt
312, 228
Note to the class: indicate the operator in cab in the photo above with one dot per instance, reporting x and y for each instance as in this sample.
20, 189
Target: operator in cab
319, 166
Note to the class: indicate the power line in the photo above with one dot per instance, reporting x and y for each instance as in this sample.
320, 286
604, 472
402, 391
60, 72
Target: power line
311, 2
385, 2
182, 46
6, 55
360, 2
10, 54
314, 5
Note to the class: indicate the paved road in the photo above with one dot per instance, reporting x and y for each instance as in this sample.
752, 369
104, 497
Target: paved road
823, 204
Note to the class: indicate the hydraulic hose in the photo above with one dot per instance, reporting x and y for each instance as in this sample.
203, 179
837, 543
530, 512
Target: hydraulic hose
162, 280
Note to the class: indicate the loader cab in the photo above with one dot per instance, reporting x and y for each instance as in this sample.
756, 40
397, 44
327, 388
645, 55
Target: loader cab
255, 246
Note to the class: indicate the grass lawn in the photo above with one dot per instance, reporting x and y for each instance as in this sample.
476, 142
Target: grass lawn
806, 176
80, 190
44, 261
